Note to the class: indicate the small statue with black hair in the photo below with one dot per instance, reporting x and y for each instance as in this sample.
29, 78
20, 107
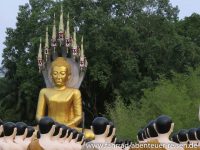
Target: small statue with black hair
22, 132
46, 129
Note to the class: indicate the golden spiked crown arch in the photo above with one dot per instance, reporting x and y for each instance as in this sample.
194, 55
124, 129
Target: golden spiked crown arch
62, 45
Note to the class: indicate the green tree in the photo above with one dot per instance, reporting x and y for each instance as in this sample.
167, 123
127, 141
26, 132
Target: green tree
127, 118
9, 96
129, 44
20, 61
178, 98
189, 27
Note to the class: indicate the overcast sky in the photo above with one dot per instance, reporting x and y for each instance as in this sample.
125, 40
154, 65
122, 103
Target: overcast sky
9, 10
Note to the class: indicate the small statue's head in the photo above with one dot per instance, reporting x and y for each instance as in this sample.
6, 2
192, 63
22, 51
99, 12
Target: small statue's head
80, 138
46, 125
164, 125
1, 128
175, 138
21, 129
9, 129
192, 134
182, 135
100, 126
111, 128
140, 136
60, 71
151, 130
31, 131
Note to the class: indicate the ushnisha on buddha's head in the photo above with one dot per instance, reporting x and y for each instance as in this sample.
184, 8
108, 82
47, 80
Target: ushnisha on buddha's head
60, 72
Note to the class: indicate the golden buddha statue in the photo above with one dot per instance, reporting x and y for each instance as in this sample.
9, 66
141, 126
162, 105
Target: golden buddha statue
61, 103
61, 99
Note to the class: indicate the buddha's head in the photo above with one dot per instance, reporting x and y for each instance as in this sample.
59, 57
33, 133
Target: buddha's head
60, 71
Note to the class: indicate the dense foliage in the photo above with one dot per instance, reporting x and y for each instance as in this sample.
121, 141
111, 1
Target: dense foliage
178, 98
129, 45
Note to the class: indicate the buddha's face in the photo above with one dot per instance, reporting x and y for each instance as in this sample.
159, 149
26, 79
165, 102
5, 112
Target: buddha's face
59, 75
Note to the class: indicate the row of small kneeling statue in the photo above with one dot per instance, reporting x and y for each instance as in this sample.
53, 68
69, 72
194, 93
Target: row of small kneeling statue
55, 136
156, 135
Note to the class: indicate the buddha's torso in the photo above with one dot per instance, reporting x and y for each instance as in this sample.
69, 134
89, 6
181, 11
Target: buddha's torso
59, 104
